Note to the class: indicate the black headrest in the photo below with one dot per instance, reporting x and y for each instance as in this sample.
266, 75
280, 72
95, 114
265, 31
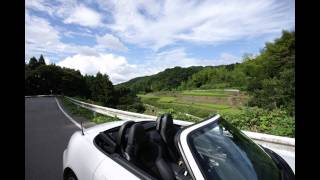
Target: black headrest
137, 134
164, 125
122, 131
137, 138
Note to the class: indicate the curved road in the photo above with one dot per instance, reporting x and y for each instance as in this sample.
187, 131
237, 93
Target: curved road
47, 132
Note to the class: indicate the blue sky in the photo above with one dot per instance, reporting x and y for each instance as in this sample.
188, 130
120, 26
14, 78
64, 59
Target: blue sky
131, 38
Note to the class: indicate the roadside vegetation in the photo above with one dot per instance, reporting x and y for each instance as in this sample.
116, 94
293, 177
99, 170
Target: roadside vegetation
265, 102
41, 78
276, 121
82, 112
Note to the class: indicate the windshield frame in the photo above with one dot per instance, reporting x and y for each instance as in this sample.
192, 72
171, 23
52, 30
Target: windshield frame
187, 155
188, 152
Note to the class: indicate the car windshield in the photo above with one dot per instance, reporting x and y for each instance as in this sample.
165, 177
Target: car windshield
223, 152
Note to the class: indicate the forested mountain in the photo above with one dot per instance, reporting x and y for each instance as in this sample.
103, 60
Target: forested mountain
269, 77
169, 79
166, 80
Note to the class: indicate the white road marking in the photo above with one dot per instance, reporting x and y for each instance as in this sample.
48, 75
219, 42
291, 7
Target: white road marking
70, 118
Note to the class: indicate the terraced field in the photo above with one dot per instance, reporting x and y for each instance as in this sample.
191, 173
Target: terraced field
193, 104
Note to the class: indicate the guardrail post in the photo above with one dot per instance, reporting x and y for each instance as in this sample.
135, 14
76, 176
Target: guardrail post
94, 114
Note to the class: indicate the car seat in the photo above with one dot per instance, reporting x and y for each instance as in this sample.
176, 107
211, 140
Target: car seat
147, 154
167, 131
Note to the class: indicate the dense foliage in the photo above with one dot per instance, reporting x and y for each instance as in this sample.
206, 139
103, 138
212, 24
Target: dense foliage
276, 122
51, 79
47, 79
273, 84
168, 79
269, 77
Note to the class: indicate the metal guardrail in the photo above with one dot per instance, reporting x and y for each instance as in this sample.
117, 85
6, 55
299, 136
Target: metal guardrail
284, 146
110, 111
45, 95
136, 116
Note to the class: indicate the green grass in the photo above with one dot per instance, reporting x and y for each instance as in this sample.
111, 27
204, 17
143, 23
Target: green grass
74, 110
82, 112
276, 122
167, 99
161, 99
209, 93
212, 106
142, 96
99, 119
166, 103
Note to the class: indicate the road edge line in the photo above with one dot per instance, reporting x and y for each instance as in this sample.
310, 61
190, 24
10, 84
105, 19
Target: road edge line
67, 115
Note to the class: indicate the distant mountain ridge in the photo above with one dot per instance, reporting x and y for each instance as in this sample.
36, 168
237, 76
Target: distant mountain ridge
169, 79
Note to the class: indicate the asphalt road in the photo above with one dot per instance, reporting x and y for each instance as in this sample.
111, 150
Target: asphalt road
47, 132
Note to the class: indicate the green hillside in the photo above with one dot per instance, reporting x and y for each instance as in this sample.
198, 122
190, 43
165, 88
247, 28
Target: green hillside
268, 78
265, 103
169, 79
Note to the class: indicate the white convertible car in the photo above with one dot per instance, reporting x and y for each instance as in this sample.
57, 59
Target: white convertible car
167, 149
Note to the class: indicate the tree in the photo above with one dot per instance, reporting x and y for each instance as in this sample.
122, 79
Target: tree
127, 100
41, 61
33, 63
169, 79
42, 78
247, 57
273, 84
102, 90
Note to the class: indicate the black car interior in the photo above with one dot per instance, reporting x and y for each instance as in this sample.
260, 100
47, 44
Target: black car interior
147, 145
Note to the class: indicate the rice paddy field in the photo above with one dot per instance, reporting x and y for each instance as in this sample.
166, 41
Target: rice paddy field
193, 104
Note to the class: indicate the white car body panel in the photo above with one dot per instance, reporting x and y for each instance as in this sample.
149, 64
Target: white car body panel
95, 165
85, 159
108, 169
83, 166
89, 163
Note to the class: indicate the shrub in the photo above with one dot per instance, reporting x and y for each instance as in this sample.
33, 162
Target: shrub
276, 121
102, 119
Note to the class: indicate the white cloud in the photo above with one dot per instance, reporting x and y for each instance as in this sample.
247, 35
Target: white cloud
151, 24
120, 70
226, 58
179, 57
39, 5
38, 34
42, 38
71, 11
116, 67
38, 30
157, 24
84, 16
47, 60
110, 42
